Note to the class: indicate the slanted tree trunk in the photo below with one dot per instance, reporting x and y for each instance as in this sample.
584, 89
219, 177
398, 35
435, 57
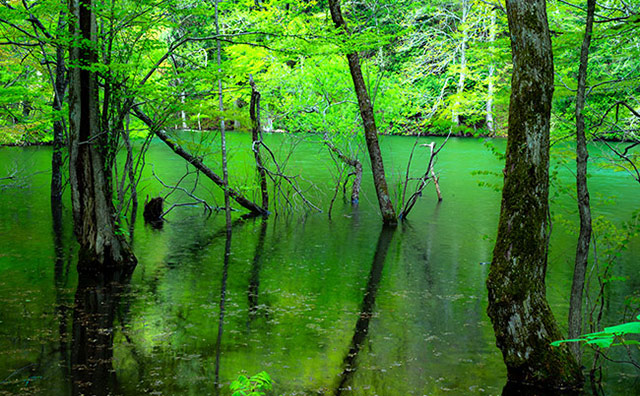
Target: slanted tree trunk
522, 319
368, 120
256, 137
584, 237
90, 178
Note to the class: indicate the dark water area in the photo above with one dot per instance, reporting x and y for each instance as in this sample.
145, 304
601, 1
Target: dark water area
326, 307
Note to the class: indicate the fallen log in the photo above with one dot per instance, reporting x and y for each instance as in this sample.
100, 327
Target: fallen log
196, 162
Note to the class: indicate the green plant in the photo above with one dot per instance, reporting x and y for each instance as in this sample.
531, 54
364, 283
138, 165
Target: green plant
252, 386
611, 336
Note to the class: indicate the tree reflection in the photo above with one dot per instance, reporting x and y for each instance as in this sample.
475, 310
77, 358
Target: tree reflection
61, 276
514, 389
254, 278
223, 298
349, 363
96, 300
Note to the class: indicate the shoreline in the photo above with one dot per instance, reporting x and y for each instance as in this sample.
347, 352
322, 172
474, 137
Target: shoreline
462, 136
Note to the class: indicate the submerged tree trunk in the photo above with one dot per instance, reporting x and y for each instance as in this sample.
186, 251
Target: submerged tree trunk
256, 136
584, 237
90, 178
368, 120
522, 319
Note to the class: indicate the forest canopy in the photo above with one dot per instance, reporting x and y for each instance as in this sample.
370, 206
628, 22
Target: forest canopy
429, 66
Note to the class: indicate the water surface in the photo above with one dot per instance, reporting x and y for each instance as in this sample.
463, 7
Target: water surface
324, 306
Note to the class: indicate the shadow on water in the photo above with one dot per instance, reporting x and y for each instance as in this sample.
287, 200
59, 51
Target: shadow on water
513, 389
96, 302
350, 361
254, 277
61, 266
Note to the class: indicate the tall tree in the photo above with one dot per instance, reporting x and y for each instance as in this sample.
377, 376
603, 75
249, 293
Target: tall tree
522, 319
492, 68
94, 214
584, 209
455, 117
370, 129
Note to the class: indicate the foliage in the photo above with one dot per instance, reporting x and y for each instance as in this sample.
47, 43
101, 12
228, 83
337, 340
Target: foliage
610, 336
256, 385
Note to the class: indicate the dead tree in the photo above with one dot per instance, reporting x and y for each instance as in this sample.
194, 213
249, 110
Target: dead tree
429, 175
256, 136
352, 162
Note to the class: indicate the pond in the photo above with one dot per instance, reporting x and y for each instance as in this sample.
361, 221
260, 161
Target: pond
325, 306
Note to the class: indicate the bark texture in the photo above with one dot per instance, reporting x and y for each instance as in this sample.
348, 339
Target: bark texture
368, 120
584, 209
90, 178
522, 319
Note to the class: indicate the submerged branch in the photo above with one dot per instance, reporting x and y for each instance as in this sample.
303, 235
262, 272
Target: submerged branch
177, 187
197, 163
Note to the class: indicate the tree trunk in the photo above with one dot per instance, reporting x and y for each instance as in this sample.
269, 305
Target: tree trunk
59, 86
223, 137
368, 120
522, 319
455, 117
584, 237
490, 88
90, 181
256, 135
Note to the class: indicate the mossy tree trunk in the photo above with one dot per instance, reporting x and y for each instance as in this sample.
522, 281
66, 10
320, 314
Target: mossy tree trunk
368, 120
522, 319
94, 214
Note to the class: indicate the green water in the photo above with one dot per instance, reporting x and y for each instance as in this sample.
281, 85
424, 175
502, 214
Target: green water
319, 304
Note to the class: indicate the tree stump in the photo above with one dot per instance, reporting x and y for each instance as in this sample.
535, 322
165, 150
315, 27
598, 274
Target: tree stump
153, 212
